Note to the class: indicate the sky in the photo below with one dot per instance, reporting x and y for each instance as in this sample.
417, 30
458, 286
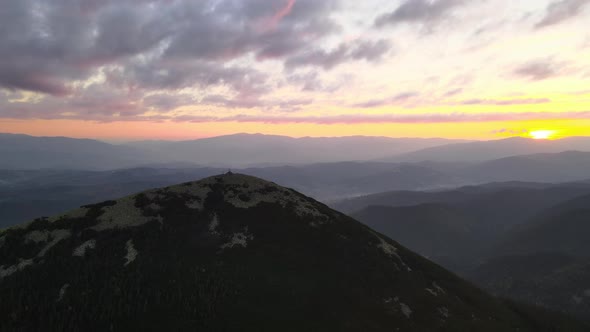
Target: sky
183, 69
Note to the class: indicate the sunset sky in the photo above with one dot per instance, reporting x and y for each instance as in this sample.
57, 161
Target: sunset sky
181, 69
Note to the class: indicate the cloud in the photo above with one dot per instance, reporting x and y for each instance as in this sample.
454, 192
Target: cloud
411, 98
231, 29
170, 75
452, 92
164, 102
399, 99
46, 46
510, 131
369, 51
312, 81
278, 16
538, 70
106, 105
104, 60
419, 11
392, 118
505, 102
560, 11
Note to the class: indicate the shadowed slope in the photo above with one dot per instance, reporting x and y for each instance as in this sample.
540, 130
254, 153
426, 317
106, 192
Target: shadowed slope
228, 253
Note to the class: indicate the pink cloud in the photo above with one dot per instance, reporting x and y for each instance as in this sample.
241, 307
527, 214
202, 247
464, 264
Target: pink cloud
273, 21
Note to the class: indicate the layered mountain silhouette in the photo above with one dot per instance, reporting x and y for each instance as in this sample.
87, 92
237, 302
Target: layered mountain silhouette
25, 195
233, 253
471, 221
546, 167
545, 261
240, 150
523, 241
496, 149
439, 232
562, 228
549, 279
264, 150
25, 152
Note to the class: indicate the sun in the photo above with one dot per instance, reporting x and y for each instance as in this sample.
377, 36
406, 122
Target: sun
542, 134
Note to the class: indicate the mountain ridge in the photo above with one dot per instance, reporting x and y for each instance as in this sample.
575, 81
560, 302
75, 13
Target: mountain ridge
229, 252
481, 151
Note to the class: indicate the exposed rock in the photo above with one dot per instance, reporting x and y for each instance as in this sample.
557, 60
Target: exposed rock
131, 254
81, 250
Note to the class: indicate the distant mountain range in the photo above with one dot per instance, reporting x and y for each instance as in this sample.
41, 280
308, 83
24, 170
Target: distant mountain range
234, 253
548, 167
266, 150
522, 200
240, 150
25, 194
255, 150
32, 153
490, 150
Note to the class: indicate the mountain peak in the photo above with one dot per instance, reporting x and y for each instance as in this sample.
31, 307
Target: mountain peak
209, 194
245, 191
227, 253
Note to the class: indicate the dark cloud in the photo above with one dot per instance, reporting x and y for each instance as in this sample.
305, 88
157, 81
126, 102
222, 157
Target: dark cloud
47, 45
311, 81
369, 51
95, 102
538, 70
232, 28
419, 11
176, 75
164, 102
308, 81
44, 45
560, 11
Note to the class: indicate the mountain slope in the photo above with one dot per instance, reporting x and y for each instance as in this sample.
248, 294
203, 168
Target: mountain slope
552, 280
437, 231
230, 253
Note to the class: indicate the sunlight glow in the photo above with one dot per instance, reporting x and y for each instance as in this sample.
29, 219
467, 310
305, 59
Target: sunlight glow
542, 134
